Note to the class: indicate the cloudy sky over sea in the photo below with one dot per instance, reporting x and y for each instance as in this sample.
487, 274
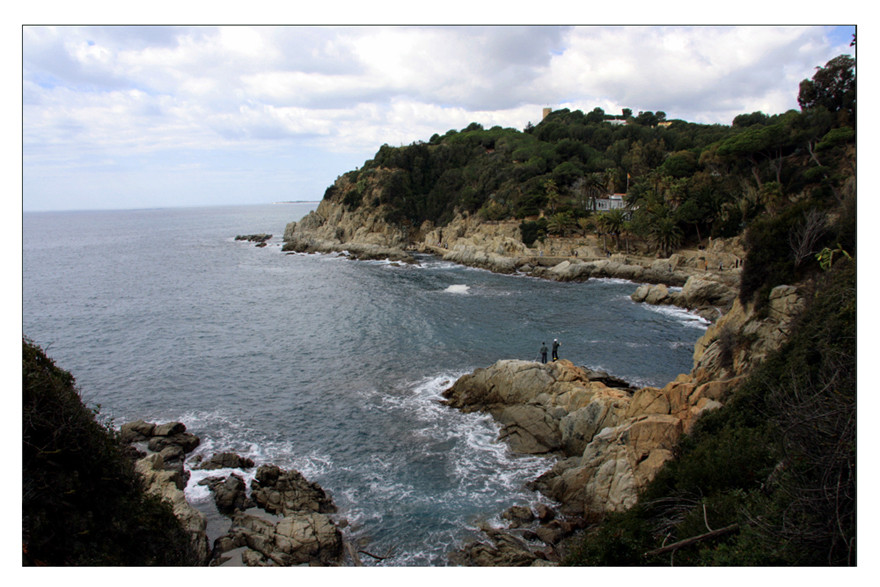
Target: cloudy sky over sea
152, 116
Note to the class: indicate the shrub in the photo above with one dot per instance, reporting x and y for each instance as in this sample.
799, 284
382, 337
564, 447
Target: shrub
82, 502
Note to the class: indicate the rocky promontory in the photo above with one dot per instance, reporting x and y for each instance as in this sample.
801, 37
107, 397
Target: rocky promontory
609, 441
704, 280
284, 520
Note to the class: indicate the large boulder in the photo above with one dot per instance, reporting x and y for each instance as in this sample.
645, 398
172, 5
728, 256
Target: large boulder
542, 408
137, 431
230, 493
703, 292
304, 538
282, 492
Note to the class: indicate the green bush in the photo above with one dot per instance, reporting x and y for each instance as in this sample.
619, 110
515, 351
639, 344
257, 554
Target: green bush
82, 502
776, 463
531, 230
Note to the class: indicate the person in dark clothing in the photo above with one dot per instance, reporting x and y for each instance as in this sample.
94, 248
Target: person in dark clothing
555, 349
543, 352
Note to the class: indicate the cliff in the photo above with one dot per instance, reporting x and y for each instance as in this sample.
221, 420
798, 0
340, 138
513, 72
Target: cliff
362, 232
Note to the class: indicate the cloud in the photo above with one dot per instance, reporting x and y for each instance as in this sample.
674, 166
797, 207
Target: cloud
99, 94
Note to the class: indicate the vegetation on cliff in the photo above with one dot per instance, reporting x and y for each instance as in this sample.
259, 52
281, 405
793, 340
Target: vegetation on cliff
82, 502
774, 468
682, 182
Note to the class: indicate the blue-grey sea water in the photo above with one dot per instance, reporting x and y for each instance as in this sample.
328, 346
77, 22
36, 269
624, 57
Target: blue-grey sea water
330, 366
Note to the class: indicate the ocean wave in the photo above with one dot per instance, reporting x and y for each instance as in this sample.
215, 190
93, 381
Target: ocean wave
686, 317
458, 289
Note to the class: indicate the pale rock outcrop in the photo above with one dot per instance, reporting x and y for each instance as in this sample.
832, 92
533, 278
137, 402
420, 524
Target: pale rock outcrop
290, 525
611, 441
305, 538
361, 231
283, 492
541, 407
168, 485
743, 337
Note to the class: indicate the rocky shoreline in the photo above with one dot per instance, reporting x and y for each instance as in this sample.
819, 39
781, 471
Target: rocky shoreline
285, 520
608, 439
704, 280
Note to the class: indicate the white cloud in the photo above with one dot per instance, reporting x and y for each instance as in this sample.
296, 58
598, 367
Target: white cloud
98, 94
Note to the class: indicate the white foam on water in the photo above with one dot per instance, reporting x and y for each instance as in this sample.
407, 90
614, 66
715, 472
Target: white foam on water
457, 289
684, 316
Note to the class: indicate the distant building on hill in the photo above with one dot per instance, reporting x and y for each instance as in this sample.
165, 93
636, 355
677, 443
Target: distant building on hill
546, 113
611, 202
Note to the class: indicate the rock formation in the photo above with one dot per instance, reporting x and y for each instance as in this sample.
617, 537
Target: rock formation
609, 441
291, 526
363, 232
165, 476
284, 521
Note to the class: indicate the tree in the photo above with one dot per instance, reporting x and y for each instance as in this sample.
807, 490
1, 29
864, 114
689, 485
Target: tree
665, 234
560, 223
832, 87
554, 198
614, 221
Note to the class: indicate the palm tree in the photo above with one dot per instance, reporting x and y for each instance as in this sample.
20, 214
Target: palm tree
554, 198
614, 220
560, 223
665, 234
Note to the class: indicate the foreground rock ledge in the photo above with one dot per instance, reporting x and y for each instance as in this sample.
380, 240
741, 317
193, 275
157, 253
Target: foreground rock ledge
284, 521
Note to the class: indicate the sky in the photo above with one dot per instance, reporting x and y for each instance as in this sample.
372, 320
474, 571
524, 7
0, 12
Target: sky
119, 117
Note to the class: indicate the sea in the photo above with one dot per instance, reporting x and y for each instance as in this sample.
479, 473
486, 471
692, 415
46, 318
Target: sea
320, 363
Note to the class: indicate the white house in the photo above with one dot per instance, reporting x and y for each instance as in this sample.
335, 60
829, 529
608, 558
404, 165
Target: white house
612, 202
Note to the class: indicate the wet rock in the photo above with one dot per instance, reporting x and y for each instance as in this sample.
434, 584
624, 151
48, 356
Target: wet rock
518, 516
230, 493
282, 492
225, 460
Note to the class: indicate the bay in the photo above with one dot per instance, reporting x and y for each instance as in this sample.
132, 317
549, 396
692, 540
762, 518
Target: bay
316, 362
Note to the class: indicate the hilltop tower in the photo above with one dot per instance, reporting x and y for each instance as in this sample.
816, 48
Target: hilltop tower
546, 112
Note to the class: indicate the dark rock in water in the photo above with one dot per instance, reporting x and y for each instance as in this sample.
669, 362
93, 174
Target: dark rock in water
225, 460
544, 513
281, 492
254, 238
229, 493
518, 515
187, 441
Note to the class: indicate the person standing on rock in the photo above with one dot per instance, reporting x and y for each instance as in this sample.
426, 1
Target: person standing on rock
543, 352
555, 349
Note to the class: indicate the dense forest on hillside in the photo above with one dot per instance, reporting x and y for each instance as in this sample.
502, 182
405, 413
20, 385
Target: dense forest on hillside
683, 182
